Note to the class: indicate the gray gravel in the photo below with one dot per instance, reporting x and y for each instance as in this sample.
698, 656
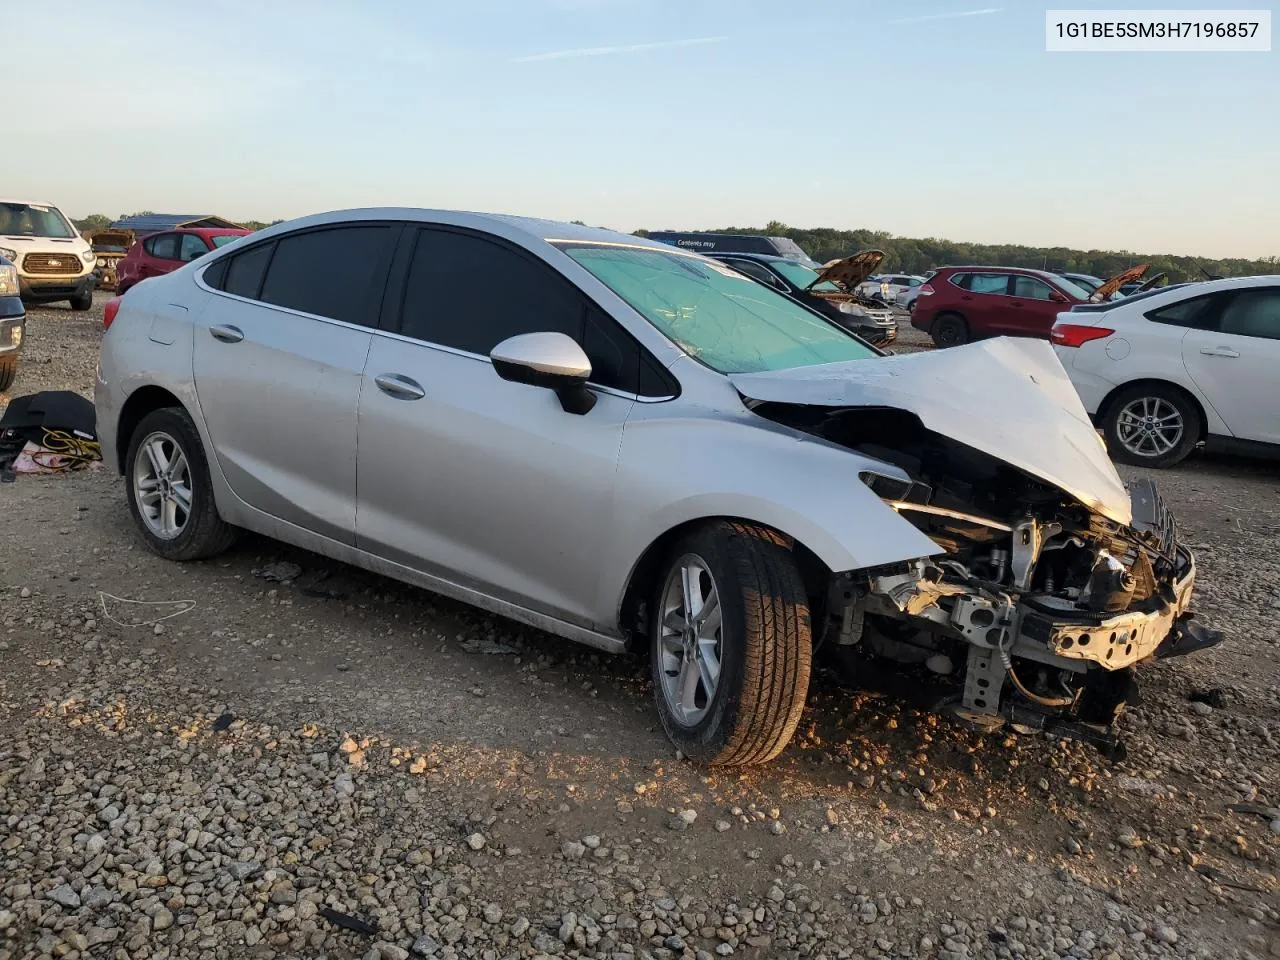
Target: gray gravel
354, 772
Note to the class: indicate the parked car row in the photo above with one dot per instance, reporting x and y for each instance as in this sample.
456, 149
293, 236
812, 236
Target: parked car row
658, 451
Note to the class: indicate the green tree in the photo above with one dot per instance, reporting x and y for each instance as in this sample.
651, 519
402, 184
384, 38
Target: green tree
94, 221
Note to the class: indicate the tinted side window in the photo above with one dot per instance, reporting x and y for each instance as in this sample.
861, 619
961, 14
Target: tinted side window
328, 272
245, 272
755, 271
191, 247
1029, 288
216, 275
989, 283
961, 280
1252, 313
163, 246
1184, 313
471, 294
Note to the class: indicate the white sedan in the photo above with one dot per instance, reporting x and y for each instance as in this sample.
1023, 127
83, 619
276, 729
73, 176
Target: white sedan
1164, 371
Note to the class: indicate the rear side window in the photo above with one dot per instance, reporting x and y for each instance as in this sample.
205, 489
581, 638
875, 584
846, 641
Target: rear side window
328, 272
163, 246
988, 283
470, 293
1253, 313
1184, 313
246, 270
960, 280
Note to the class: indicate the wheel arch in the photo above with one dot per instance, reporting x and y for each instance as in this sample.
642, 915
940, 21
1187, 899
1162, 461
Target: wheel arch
1104, 407
140, 403
642, 579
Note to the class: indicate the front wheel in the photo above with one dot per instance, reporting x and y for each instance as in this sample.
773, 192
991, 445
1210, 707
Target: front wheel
731, 645
8, 372
170, 494
1151, 425
83, 302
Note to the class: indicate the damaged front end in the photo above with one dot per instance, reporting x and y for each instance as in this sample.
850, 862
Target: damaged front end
1037, 607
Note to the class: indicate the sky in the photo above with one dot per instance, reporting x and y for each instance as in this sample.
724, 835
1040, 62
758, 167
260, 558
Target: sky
942, 118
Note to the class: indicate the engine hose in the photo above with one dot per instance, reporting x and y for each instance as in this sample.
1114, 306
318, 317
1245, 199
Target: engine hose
1007, 660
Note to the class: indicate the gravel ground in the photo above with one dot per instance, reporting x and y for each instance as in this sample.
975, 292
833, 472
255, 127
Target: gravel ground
297, 737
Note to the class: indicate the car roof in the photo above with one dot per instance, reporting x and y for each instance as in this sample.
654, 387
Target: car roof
204, 231
31, 203
986, 268
532, 228
764, 257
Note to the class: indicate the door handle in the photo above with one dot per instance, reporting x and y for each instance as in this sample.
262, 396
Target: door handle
398, 386
227, 333
1219, 352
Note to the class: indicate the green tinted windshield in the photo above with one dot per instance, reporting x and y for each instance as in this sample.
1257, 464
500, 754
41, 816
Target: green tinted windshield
802, 276
730, 323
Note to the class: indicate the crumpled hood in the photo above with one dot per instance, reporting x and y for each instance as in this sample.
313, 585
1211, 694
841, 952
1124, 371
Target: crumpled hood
1008, 397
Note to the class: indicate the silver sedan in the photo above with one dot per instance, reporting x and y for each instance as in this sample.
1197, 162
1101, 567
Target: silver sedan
636, 447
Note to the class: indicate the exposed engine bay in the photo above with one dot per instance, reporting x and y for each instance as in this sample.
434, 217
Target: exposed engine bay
1036, 608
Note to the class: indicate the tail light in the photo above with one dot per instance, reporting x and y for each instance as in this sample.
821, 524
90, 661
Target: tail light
1076, 334
925, 291
109, 312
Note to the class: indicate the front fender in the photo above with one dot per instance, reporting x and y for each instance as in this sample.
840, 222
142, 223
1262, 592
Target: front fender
675, 469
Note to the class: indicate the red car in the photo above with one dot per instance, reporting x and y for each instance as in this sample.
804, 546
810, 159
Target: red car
959, 304
161, 253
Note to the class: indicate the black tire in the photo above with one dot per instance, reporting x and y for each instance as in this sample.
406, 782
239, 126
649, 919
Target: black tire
82, 303
949, 330
765, 646
204, 533
1157, 397
8, 372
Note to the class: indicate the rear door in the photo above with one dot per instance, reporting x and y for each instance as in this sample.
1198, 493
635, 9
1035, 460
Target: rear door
474, 479
1031, 310
279, 358
1233, 356
984, 301
160, 255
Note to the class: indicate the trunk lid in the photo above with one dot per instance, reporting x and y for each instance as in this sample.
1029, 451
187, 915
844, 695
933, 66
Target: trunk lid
1007, 397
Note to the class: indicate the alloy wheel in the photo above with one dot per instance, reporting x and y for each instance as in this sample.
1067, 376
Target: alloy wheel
162, 485
690, 644
1149, 426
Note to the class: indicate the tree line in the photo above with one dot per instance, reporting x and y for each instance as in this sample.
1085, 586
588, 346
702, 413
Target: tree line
919, 256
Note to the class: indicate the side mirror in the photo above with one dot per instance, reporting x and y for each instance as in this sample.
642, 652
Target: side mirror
1057, 297
551, 360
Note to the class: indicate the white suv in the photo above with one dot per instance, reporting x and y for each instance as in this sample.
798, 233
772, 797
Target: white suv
54, 262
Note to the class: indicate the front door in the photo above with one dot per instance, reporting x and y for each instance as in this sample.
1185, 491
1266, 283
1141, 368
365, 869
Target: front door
1233, 355
1032, 309
480, 481
279, 360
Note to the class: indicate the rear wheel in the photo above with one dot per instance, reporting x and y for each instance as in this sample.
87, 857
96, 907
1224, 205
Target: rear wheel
83, 302
8, 372
170, 494
731, 645
950, 330
1151, 425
